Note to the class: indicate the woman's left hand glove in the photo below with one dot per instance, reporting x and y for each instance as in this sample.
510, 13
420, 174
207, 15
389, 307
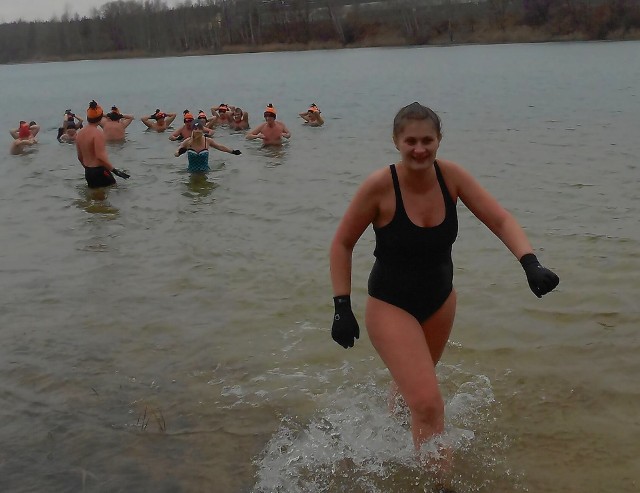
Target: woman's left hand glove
541, 280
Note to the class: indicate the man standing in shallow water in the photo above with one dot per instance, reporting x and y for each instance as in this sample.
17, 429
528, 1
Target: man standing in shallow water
92, 152
271, 132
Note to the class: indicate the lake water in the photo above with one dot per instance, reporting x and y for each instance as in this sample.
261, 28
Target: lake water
174, 336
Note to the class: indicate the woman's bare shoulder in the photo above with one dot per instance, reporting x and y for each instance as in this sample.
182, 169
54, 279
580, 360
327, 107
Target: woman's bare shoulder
456, 176
378, 181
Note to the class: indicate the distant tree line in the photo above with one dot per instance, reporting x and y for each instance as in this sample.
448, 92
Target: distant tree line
126, 28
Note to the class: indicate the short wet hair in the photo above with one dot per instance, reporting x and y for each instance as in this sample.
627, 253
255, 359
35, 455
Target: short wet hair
415, 111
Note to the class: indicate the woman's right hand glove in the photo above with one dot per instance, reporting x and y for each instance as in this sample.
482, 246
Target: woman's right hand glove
345, 327
541, 280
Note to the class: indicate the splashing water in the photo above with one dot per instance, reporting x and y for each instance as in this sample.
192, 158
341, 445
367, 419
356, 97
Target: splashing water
353, 444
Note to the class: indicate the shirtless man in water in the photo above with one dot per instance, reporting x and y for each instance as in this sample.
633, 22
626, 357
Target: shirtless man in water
159, 121
239, 119
92, 153
271, 132
113, 125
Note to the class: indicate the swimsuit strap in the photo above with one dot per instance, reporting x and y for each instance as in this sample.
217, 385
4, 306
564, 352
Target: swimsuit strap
396, 187
448, 201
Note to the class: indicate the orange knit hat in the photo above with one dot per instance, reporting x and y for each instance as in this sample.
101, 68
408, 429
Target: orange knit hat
94, 111
270, 110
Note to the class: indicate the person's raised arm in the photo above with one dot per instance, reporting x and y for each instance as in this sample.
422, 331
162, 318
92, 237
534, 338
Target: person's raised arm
147, 121
126, 120
304, 116
14, 133
169, 118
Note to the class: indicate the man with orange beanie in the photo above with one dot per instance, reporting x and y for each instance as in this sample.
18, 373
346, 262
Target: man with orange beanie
92, 152
271, 132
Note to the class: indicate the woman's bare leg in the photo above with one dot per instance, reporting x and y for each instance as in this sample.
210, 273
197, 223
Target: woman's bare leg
410, 352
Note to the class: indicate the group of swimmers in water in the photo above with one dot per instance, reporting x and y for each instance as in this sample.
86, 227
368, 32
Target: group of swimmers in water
412, 206
195, 134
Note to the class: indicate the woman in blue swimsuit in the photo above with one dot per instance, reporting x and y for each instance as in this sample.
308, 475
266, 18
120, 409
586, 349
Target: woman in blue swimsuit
412, 303
197, 149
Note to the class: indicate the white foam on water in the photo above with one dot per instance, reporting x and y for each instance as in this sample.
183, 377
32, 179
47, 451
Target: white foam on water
352, 443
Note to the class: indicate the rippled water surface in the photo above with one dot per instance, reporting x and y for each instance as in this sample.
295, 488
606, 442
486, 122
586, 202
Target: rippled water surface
173, 335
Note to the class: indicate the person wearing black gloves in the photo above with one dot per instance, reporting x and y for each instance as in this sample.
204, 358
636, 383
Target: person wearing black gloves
92, 152
411, 304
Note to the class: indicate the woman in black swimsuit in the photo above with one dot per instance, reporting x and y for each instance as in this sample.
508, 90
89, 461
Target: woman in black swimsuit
412, 303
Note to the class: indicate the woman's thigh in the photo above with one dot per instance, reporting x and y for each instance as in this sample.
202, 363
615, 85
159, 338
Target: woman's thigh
410, 350
437, 328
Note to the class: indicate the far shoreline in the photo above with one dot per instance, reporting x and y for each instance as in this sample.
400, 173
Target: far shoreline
519, 36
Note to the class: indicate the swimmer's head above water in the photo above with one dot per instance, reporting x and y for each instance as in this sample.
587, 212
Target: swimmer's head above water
270, 111
415, 111
94, 112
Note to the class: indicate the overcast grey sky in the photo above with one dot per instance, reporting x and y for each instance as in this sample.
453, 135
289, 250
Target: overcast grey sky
31, 10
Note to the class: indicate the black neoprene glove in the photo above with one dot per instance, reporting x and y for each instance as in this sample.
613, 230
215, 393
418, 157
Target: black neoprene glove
345, 327
120, 173
541, 280
236, 152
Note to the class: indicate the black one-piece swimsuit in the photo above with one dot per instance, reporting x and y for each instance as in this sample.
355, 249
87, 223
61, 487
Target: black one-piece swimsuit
413, 268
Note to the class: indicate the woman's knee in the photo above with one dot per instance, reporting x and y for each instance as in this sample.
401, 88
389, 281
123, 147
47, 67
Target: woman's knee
427, 406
